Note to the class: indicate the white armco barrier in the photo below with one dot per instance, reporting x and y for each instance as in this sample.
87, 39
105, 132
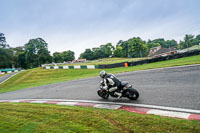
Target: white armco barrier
56, 67
65, 67
91, 66
72, 67
77, 67
47, 67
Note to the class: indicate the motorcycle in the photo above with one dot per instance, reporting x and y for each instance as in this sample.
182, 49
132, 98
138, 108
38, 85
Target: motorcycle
126, 90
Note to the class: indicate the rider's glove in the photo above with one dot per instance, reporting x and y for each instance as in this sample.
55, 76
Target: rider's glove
105, 88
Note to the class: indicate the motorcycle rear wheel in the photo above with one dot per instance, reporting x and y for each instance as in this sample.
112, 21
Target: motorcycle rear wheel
132, 94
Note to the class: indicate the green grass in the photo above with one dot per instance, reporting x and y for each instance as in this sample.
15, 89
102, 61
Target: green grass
114, 60
40, 118
106, 61
38, 77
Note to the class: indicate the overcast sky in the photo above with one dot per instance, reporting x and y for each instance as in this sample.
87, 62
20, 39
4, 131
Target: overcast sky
79, 24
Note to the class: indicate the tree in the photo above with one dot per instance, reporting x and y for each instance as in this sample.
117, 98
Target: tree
118, 51
21, 60
36, 53
107, 49
124, 45
103, 51
3, 43
57, 58
6, 58
98, 53
196, 40
198, 37
16, 52
137, 47
171, 43
161, 41
87, 54
152, 44
188, 40
68, 55
119, 42
6, 54
44, 56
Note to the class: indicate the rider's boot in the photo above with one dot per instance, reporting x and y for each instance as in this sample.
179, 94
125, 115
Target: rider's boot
118, 94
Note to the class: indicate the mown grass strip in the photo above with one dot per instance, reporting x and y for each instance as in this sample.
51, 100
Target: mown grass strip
25, 117
38, 77
107, 61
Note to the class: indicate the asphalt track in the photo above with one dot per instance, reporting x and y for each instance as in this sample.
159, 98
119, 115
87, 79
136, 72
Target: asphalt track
7, 76
173, 87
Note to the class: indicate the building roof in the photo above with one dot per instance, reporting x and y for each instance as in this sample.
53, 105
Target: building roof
163, 51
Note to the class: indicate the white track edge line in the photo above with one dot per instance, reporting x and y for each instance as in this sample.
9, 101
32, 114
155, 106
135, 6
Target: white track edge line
169, 113
125, 104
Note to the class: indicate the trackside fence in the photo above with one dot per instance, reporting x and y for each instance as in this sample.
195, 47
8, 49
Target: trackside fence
126, 64
71, 67
4, 71
157, 59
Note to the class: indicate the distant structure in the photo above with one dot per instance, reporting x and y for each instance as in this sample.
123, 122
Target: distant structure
79, 61
159, 51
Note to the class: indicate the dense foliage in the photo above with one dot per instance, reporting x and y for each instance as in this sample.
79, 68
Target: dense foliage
35, 52
31, 55
136, 47
63, 56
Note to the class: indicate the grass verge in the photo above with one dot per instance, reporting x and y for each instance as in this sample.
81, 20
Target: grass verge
30, 118
38, 77
106, 61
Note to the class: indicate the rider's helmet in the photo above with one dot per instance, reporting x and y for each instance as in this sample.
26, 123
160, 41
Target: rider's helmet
102, 74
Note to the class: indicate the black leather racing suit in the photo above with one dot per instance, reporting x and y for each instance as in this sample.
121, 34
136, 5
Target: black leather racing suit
111, 83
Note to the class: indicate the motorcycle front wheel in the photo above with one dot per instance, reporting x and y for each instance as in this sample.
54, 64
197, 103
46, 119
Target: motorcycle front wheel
132, 94
103, 94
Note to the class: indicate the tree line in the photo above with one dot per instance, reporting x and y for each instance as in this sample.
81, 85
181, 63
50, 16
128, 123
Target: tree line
31, 55
35, 52
136, 47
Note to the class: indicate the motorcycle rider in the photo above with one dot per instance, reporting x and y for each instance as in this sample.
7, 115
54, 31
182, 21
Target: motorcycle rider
111, 83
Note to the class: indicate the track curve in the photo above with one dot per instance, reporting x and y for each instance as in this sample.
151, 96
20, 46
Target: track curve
172, 87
